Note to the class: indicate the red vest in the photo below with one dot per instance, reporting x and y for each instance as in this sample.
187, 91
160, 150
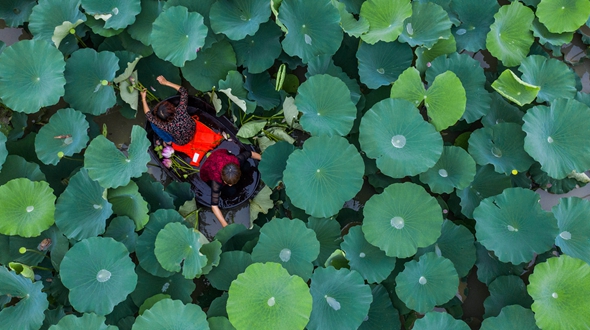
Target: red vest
211, 169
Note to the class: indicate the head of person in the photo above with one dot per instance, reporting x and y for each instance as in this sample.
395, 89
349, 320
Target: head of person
164, 110
231, 174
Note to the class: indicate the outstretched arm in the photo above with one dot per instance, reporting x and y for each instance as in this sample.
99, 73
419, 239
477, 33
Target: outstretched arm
146, 108
218, 215
165, 82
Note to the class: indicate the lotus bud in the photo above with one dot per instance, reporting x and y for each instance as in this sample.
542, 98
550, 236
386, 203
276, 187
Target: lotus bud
104, 82
185, 176
72, 31
167, 152
22, 250
60, 154
167, 162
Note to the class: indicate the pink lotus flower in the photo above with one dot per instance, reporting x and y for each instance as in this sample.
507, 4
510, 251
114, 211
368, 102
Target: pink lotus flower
167, 152
167, 162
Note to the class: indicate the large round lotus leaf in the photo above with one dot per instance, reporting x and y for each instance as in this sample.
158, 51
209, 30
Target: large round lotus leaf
556, 39
220, 323
141, 29
554, 77
87, 75
238, 18
489, 267
265, 296
501, 112
429, 23
176, 247
274, 162
3, 150
289, 243
122, 229
510, 37
556, 137
313, 27
428, 282
116, 14
327, 232
368, 260
514, 226
176, 286
513, 88
16, 12
381, 311
324, 64
439, 321
385, 19
401, 219
27, 207
172, 314
232, 264
258, 52
31, 68
100, 266
210, 66
262, 90
65, 134
574, 228
322, 176
505, 291
563, 15
86, 321
81, 210
127, 201
512, 317
454, 169
341, 299
486, 183
324, 114
17, 167
382, 63
27, 313
51, 14
473, 80
185, 30
501, 145
476, 18
110, 167
560, 289
445, 99
150, 68
394, 133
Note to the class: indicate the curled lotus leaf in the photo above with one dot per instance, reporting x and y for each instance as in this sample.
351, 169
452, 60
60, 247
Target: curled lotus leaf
50, 14
555, 78
515, 89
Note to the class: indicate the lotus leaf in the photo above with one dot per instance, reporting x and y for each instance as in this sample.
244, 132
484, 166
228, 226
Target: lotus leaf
454, 169
97, 26
17, 167
31, 67
501, 112
274, 162
265, 296
476, 18
86, 321
64, 135
327, 232
381, 311
429, 23
3, 151
176, 286
172, 314
341, 299
368, 260
116, 14
261, 90
385, 19
210, 66
430, 281
331, 170
510, 37
511, 317
141, 29
122, 229
381, 63
349, 23
176, 247
153, 193
574, 229
27, 313
563, 15
489, 267
554, 77
232, 264
238, 18
505, 291
513, 225
424, 56
556, 137
557, 39
439, 321
258, 52
486, 183
50, 14
323, 64
220, 323
16, 12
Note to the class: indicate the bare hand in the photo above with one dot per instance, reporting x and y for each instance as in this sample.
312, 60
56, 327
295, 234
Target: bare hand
143, 93
162, 80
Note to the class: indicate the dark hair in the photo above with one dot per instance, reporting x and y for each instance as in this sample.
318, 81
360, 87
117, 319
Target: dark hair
231, 173
164, 110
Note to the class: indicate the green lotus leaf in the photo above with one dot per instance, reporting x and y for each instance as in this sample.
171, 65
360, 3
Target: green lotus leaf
274, 162
556, 137
150, 68
514, 226
472, 79
261, 203
233, 87
426, 55
16, 12
27, 313
439, 321
385, 19
550, 184
259, 52
122, 229
322, 113
289, 243
505, 291
238, 18
430, 281
429, 23
220, 323
51, 14
116, 14
485, 184
172, 314
559, 288
368, 260
232, 264
176, 286
218, 306
341, 299
514, 89
98, 265
510, 37
262, 90
350, 25
323, 64
151, 301
177, 247
489, 267
123, 42
511, 317
265, 296
126, 72
476, 18
454, 169
17, 167
314, 28
141, 29
381, 311
31, 67
331, 170
81, 210
445, 99
127, 201
186, 30
64, 135
399, 228
501, 111
3, 150
554, 77
86, 321
381, 64
327, 232
153, 193
27, 207
557, 39
98, 27
563, 15
86, 73
110, 167
407, 145
574, 229
210, 66
181, 192
501, 145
